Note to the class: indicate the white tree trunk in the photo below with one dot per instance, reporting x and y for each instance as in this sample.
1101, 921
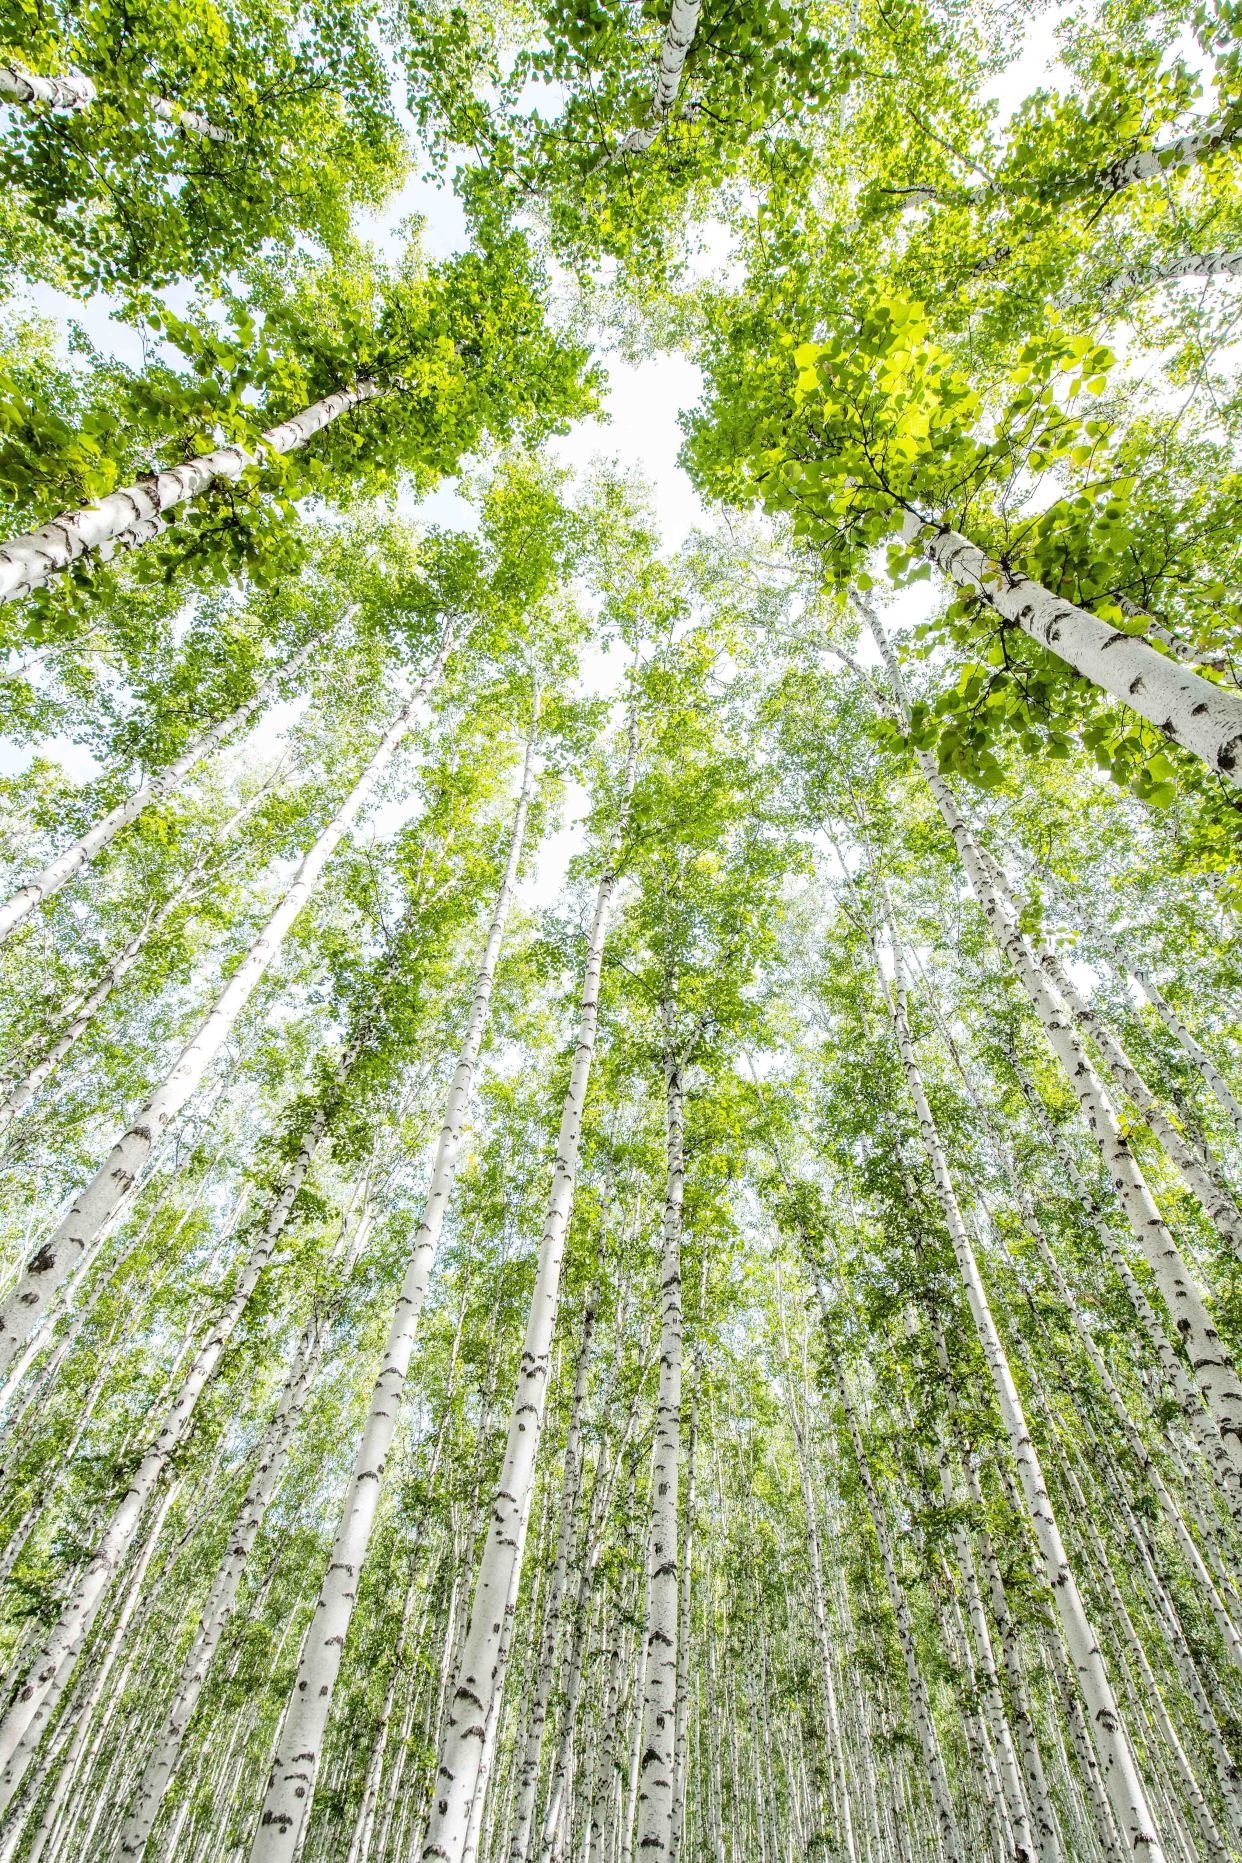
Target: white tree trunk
74, 91
1203, 718
66, 865
278, 1438
681, 1738
97, 1205
135, 515
678, 38
528, 1780
23, 1725
1126, 966
988, 1680
473, 1700
70, 91
656, 1787
291, 1782
1182, 152
1126, 1791
1215, 1375
1195, 1173
920, 1704
1202, 265
190, 122
1133, 1435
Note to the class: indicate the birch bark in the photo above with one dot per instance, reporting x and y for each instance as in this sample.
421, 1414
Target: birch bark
59, 871
528, 1781
135, 1831
1126, 966
127, 518
681, 1737
656, 1789
294, 1767
461, 1751
1202, 717
97, 1205
1120, 1409
920, 1704
1196, 1173
73, 91
1216, 1377
23, 1725
69, 91
75, 1021
1125, 1788
678, 38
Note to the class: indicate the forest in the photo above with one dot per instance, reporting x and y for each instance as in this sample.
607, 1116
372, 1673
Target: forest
620, 908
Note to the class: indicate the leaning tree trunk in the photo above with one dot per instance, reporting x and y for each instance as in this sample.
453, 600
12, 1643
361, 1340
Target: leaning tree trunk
69, 91
1191, 711
1198, 145
1135, 1440
1126, 1791
98, 1204
1200, 265
1126, 966
1198, 1172
23, 1725
134, 516
74, 91
57, 872
1215, 1375
76, 1018
678, 38
291, 1782
657, 1775
274, 1450
473, 1703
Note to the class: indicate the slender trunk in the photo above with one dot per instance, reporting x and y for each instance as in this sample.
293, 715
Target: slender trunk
1134, 1438
1038, 1795
681, 1738
291, 1782
133, 516
656, 1793
678, 38
528, 1783
273, 1453
1186, 151
74, 91
1201, 265
988, 1680
78, 1018
62, 869
461, 1751
606, 1760
1195, 1053
1121, 1777
97, 1205
1216, 1376
1196, 1173
1174, 1372
1202, 717
920, 1704
23, 1725
637, 1695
